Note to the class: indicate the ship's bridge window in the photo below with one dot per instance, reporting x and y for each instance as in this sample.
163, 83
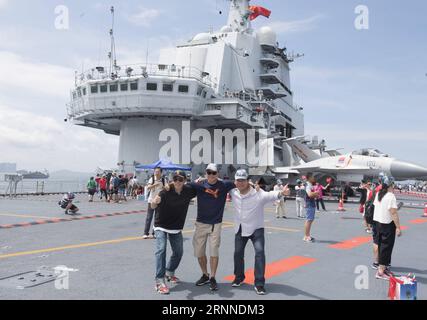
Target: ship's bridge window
168, 87
183, 89
124, 87
103, 88
204, 94
74, 95
134, 86
152, 86
79, 92
114, 87
94, 88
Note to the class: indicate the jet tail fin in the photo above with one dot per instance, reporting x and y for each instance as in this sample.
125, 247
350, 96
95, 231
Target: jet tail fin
302, 150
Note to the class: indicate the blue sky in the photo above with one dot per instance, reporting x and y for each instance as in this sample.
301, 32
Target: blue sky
358, 87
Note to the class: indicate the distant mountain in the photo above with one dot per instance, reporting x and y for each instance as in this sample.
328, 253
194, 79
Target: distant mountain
70, 175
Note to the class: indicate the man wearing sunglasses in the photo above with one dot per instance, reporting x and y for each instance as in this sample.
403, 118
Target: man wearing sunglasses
211, 198
169, 220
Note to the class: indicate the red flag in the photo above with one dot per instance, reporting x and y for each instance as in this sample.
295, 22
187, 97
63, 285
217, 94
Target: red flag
259, 11
392, 287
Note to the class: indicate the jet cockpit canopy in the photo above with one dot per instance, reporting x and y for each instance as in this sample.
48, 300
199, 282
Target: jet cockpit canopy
370, 152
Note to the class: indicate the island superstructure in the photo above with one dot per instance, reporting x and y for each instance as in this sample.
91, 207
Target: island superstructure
233, 78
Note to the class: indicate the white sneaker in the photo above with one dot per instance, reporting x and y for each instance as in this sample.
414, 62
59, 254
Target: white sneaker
161, 288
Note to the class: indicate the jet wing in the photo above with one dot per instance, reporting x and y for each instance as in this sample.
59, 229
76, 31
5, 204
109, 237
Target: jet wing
350, 169
330, 169
306, 167
285, 170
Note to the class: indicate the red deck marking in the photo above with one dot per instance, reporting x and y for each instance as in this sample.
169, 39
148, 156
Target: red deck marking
404, 227
351, 243
275, 268
57, 220
24, 225
418, 221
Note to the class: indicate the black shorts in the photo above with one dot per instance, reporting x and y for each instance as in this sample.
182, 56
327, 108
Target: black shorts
375, 233
91, 192
72, 208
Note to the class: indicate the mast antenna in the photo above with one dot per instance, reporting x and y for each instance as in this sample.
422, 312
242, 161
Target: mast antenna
112, 53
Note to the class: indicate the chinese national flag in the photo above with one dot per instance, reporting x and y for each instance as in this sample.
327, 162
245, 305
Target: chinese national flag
259, 11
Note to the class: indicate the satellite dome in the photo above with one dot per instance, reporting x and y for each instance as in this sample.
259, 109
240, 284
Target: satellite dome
267, 36
202, 36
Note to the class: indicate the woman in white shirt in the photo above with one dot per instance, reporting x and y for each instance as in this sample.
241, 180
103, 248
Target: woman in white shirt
388, 226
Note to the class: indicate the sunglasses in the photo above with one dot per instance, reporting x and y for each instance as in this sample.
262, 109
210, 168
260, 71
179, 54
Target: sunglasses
211, 173
178, 179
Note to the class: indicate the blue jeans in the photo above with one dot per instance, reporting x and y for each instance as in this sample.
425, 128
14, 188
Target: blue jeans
258, 241
310, 213
177, 243
148, 220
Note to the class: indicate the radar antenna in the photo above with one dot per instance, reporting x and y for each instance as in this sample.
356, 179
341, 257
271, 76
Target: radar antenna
292, 56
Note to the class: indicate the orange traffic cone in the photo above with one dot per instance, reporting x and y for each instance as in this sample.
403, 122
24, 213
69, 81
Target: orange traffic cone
341, 206
425, 210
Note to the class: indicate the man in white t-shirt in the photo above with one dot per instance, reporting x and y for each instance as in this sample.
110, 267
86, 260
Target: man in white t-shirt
249, 225
155, 185
300, 198
387, 224
280, 203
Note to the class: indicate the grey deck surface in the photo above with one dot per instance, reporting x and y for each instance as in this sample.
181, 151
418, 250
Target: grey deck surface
124, 269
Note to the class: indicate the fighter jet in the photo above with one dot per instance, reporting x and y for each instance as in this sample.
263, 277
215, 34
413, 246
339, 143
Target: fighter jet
353, 167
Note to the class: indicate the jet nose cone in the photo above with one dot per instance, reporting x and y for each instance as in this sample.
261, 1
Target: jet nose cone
406, 170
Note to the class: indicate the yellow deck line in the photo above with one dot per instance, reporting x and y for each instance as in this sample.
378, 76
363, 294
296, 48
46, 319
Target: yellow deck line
76, 246
23, 216
82, 245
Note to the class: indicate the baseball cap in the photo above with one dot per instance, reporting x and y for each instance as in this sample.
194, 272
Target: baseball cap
180, 173
388, 180
212, 167
241, 175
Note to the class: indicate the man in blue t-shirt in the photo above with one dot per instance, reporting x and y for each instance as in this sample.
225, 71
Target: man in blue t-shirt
211, 198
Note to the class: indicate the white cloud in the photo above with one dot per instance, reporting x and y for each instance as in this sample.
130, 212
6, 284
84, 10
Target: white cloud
144, 17
3, 3
346, 133
137, 53
408, 145
35, 141
286, 27
34, 77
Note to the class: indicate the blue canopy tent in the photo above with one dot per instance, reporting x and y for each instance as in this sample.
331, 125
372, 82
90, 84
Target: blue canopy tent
163, 164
